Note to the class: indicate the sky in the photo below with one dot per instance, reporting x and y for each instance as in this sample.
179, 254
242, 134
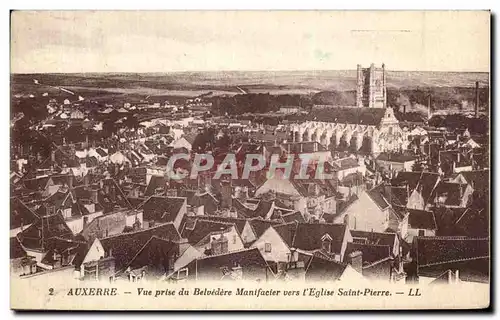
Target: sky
169, 41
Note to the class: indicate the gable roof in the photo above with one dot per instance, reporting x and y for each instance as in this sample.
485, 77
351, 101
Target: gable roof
424, 182
308, 235
321, 268
287, 232
161, 209
125, 246
243, 258
377, 238
43, 229
371, 252
20, 214
195, 229
439, 250
421, 219
351, 115
238, 222
259, 226
156, 252
16, 250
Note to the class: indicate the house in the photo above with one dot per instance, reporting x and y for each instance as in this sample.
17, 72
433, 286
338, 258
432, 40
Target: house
348, 167
203, 203
276, 242
20, 262
114, 253
421, 223
211, 237
21, 217
311, 197
119, 158
325, 270
454, 161
433, 256
243, 226
158, 209
154, 260
395, 162
478, 180
380, 255
389, 239
246, 264
312, 150
421, 188
289, 109
45, 234
184, 142
76, 212
373, 211
453, 194
111, 224
109, 195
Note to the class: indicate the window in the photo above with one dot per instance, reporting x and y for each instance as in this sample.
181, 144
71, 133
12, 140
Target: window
421, 232
182, 274
326, 245
50, 210
268, 247
234, 239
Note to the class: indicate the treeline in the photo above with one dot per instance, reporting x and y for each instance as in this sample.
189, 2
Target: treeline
257, 103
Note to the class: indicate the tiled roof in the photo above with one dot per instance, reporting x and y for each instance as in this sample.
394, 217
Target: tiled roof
259, 226
244, 258
423, 182
351, 115
16, 250
238, 222
377, 238
308, 236
439, 250
293, 217
156, 253
125, 246
45, 228
395, 157
287, 232
162, 209
320, 268
371, 252
20, 214
195, 229
421, 219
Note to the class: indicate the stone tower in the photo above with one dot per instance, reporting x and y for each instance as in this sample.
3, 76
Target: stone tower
371, 87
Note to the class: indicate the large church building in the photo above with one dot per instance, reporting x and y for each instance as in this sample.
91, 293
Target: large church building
369, 127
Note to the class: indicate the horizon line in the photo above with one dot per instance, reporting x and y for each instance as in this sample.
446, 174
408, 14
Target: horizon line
266, 71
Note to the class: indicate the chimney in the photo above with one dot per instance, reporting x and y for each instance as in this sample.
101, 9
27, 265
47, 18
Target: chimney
70, 182
93, 195
226, 194
183, 245
429, 102
476, 107
355, 259
53, 156
388, 192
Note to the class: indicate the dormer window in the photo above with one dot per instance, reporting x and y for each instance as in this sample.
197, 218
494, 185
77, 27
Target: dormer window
326, 243
50, 210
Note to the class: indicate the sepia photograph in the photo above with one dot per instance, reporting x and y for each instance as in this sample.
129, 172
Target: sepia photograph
250, 160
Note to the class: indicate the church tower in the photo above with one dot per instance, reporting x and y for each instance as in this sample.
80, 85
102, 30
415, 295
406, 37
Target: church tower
371, 87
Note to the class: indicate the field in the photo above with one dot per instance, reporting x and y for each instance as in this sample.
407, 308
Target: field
450, 90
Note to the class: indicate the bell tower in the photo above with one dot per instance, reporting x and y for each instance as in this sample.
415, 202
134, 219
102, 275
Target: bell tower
371, 87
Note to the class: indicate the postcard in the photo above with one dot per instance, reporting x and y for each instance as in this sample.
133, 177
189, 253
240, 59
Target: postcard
250, 160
